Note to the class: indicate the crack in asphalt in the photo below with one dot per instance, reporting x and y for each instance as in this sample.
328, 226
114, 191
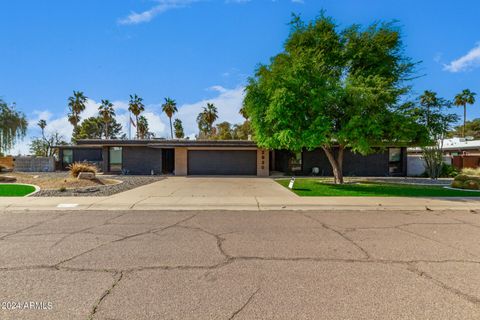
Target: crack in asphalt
341, 234
104, 295
437, 241
152, 230
59, 215
244, 305
234, 259
422, 274
119, 273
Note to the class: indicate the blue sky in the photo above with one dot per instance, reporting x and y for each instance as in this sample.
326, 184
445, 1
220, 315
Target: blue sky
199, 51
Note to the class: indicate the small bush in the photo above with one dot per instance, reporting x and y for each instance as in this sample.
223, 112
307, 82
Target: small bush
78, 167
62, 189
471, 171
448, 171
457, 184
461, 177
2, 168
471, 185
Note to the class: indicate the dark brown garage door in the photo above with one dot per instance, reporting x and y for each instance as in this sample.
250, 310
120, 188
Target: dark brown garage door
222, 162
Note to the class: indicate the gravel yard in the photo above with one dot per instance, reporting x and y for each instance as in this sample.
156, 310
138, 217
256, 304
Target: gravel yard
127, 183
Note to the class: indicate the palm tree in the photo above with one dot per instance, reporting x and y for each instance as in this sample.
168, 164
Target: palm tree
211, 114
169, 107
136, 107
179, 133
76, 105
142, 126
107, 113
205, 120
461, 100
42, 124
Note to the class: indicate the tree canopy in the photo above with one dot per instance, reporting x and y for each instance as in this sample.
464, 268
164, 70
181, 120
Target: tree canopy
94, 128
13, 126
472, 129
335, 89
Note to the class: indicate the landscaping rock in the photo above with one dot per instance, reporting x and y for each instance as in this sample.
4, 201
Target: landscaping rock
128, 182
7, 179
86, 175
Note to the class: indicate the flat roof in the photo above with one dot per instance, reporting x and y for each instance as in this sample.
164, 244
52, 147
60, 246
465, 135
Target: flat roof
159, 143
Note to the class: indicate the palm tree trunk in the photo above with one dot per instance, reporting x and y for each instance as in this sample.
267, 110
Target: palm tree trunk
171, 128
137, 128
464, 118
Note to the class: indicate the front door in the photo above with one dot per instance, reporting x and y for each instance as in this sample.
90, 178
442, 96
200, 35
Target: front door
168, 161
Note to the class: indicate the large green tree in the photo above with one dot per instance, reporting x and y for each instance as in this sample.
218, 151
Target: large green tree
224, 131
461, 100
93, 128
334, 89
76, 105
13, 126
170, 108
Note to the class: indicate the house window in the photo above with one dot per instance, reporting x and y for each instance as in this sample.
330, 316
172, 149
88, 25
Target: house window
395, 161
295, 162
67, 156
115, 159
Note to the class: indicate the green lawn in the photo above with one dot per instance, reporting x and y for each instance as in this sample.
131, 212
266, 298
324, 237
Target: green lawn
313, 187
15, 190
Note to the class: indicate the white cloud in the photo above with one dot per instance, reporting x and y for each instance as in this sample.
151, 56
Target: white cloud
148, 15
218, 89
228, 103
466, 62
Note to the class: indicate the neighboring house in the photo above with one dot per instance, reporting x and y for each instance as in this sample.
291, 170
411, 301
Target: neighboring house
223, 157
455, 147
459, 152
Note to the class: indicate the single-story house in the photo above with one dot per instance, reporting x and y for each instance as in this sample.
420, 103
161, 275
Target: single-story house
223, 157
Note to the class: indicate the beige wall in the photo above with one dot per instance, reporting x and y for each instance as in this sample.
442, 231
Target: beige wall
181, 161
263, 166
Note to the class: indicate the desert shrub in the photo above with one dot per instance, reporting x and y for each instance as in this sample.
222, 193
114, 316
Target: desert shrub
2, 168
78, 167
471, 171
457, 184
461, 177
471, 185
62, 189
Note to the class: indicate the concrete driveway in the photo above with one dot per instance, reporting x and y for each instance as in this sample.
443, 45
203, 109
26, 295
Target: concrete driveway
213, 186
240, 265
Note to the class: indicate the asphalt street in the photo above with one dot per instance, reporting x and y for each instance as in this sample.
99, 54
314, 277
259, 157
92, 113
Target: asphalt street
240, 265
